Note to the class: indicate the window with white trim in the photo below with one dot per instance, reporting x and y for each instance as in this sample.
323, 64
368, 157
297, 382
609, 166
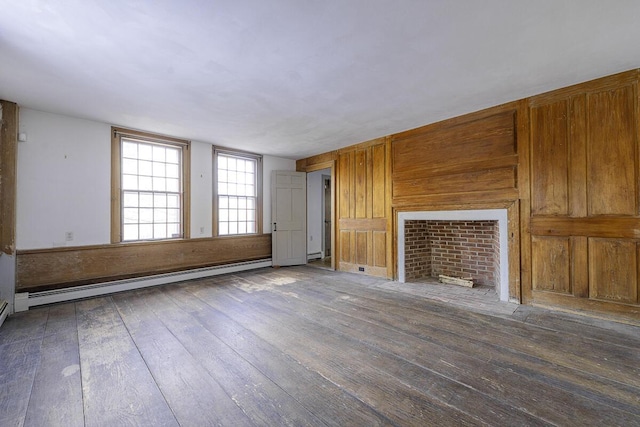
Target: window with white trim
237, 186
151, 190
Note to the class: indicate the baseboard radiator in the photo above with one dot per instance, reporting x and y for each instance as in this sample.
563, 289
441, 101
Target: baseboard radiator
4, 311
26, 300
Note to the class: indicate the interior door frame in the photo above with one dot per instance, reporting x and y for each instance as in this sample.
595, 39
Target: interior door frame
331, 164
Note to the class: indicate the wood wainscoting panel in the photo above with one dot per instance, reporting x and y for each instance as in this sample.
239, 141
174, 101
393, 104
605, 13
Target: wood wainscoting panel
612, 152
364, 211
379, 248
44, 269
551, 264
345, 246
550, 158
584, 193
613, 270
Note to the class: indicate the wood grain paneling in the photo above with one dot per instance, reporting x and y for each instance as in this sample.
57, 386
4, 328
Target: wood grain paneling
584, 192
8, 175
551, 264
454, 159
613, 271
422, 148
550, 159
61, 267
361, 180
378, 184
364, 208
467, 182
611, 150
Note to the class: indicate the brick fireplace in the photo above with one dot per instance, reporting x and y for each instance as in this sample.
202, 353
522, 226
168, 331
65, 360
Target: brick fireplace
470, 243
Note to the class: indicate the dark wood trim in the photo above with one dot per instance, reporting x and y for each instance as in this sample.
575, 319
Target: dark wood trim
8, 175
42, 269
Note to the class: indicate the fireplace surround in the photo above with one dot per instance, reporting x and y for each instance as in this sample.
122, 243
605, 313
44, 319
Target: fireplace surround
499, 215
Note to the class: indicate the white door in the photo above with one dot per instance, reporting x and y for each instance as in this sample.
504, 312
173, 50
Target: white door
288, 218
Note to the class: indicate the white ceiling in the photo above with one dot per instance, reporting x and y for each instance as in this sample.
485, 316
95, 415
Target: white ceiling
293, 78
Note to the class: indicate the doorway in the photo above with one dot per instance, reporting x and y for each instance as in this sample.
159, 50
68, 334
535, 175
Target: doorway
320, 190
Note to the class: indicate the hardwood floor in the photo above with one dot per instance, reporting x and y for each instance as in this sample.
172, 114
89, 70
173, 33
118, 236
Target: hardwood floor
303, 346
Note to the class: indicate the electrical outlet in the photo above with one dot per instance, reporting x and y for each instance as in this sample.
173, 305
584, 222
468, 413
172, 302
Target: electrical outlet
311, 238
361, 269
68, 236
201, 230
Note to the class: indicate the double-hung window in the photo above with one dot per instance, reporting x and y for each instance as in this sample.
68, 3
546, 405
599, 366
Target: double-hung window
237, 188
149, 186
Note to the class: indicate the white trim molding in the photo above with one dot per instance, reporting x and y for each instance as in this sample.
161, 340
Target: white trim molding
499, 215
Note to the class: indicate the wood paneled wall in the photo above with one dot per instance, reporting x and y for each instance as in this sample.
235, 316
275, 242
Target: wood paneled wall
364, 238
8, 173
565, 165
585, 211
476, 161
43, 269
471, 159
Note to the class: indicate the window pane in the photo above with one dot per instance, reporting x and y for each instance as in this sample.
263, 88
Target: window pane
159, 169
159, 154
130, 232
233, 228
145, 183
129, 182
129, 149
222, 189
173, 155
130, 200
146, 216
159, 231
223, 202
173, 230
173, 185
173, 171
146, 200
159, 200
222, 162
242, 228
130, 166
223, 228
144, 152
173, 215
159, 184
233, 215
146, 231
223, 215
130, 215
251, 227
145, 167
159, 215
173, 201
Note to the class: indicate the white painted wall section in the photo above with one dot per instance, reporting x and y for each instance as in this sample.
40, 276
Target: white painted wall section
64, 181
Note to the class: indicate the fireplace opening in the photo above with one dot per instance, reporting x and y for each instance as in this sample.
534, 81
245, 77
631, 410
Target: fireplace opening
461, 243
462, 249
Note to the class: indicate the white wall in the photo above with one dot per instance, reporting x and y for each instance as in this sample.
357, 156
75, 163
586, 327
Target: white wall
64, 182
201, 189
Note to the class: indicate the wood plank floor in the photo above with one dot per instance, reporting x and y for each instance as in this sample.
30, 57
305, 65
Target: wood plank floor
303, 346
